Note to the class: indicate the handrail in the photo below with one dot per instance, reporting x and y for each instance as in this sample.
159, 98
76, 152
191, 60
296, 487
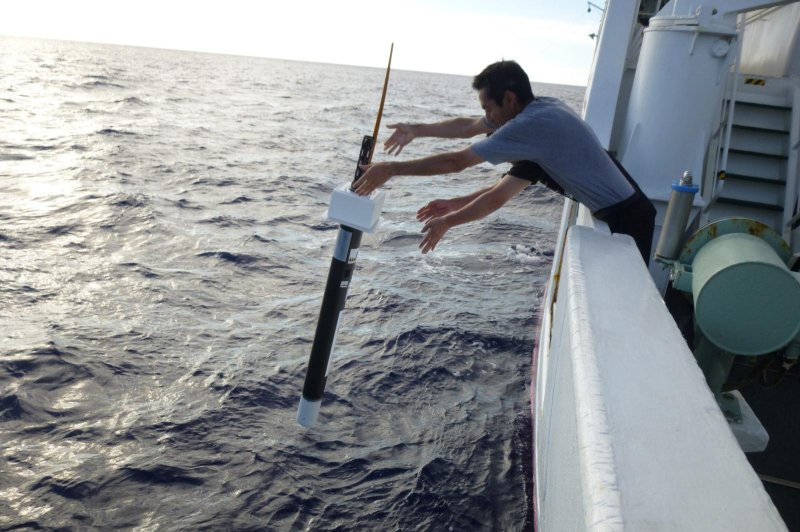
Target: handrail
721, 165
792, 191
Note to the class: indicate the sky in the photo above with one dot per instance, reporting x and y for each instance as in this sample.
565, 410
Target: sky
549, 38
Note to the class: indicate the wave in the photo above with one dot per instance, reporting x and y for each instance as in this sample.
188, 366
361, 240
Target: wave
146, 272
128, 200
228, 221
259, 238
70, 488
10, 407
323, 226
64, 229
240, 199
48, 370
444, 358
97, 84
400, 238
17, 151
260, 395
383, 303
161, 474
291, 219
131, 100
44, 147
240, 259
14, 157
115, 132
24, 294
523, 254
186, 204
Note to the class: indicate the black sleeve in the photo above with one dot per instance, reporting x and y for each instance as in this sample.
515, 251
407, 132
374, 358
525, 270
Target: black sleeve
534, 173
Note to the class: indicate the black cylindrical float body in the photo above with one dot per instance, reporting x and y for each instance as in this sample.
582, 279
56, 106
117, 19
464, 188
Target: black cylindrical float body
340, 274
333, 301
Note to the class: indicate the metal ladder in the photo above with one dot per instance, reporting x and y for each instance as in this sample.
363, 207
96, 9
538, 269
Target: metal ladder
761, 175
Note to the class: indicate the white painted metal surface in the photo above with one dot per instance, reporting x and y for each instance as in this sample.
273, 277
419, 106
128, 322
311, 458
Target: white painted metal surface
750, 433
772, 45
602, 93
675, 100
628, 435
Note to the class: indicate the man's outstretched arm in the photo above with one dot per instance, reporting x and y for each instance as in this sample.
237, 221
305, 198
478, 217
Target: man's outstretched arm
454, 128
377, 174
485, 204
439, 207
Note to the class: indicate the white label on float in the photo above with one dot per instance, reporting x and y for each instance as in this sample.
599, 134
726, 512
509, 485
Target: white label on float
344, 284
333, 344
353, 256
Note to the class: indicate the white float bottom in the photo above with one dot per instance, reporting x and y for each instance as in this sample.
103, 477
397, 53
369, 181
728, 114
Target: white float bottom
308, 412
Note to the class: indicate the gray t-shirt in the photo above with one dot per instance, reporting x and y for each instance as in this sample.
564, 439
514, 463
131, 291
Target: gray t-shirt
549, 133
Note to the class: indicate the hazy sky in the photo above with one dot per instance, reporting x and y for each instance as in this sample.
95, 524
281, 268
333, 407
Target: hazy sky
549, 38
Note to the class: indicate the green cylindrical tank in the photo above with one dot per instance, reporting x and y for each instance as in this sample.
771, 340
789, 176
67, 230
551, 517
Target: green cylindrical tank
746, 300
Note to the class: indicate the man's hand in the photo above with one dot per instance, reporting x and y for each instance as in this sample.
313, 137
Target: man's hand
437, 208
375, 175
403, 134
434, 231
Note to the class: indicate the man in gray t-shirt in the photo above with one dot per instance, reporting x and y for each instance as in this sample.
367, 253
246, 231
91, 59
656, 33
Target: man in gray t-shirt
544, 138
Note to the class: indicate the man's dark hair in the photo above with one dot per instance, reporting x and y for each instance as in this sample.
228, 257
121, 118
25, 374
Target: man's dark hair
503, 76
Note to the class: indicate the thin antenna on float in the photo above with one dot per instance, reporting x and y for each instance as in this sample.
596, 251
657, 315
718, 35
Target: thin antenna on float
380, 107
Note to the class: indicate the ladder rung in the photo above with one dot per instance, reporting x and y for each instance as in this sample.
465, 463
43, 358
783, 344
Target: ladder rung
760, 129
751, 204
758, 153
743, 100
754, 179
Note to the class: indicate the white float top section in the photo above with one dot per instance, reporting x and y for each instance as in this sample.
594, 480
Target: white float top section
359, 212
655, 451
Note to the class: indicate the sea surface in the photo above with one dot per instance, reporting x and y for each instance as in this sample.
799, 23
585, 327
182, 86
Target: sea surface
163, 253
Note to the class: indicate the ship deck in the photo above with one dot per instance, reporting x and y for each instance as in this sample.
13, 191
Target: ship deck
779, 465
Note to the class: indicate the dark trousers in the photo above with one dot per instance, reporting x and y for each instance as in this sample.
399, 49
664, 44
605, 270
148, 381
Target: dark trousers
634, 216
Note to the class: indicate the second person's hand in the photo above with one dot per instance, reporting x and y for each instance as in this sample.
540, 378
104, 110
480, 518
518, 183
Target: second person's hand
433, 230
436, 209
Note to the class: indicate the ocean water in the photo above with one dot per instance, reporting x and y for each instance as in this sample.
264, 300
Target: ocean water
163, 253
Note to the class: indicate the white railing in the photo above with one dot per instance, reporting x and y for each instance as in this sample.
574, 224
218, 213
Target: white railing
627, 434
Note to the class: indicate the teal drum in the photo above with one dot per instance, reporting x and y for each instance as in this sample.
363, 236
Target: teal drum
746, 300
